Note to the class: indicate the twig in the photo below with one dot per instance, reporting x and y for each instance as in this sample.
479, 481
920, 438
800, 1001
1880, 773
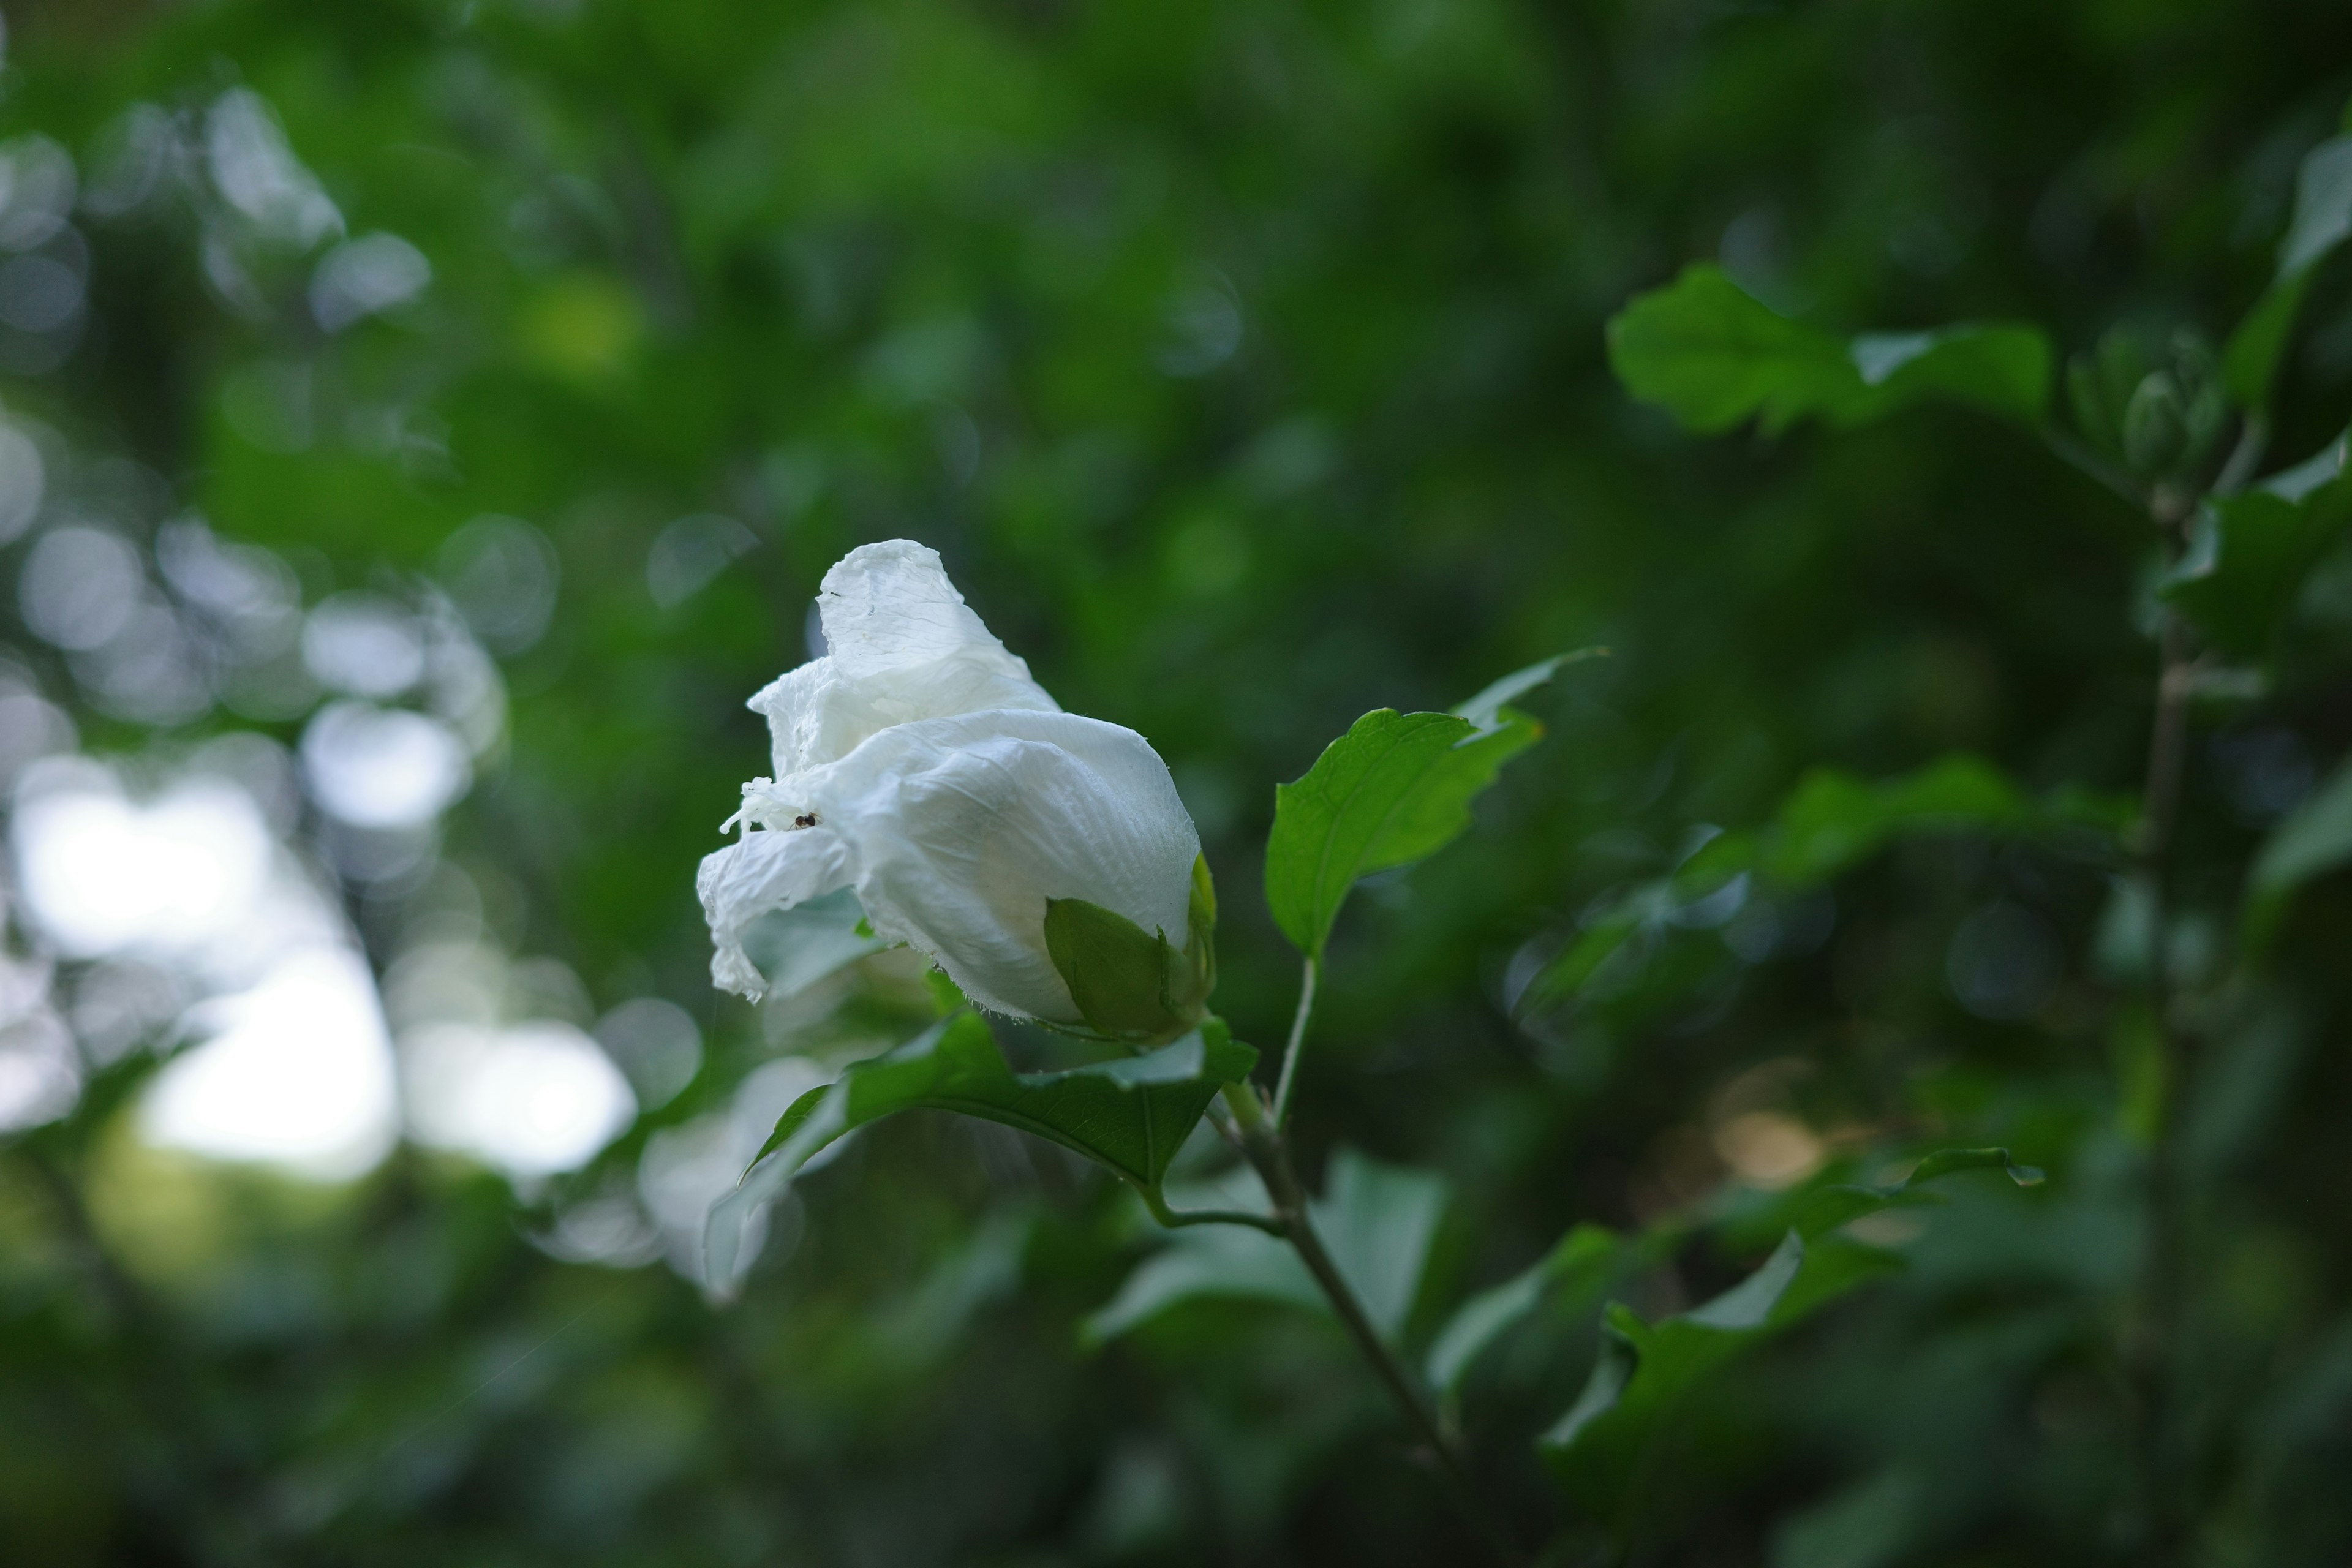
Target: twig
2157, 1322
1262, 1141
1176, 1218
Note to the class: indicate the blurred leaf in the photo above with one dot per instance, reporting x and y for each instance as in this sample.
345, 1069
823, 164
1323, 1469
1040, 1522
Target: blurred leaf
2315, 839
1375, 1220
1712, 354
1394, 789
1129, 1116
2247, 560
1863, 1526
1825, 1208
1599, 1450
1486, 712
2323, 465
1378, 1220
1582, 1257
2323, 218
1224, 1261
1831, 823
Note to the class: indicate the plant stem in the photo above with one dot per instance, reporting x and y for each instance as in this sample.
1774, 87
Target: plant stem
1291, 1052
2156, 1325
1269, 1154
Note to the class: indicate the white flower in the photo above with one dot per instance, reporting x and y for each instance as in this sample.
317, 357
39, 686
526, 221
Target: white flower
918, 762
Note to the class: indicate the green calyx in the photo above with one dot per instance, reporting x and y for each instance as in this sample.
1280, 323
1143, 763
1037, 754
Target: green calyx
1130, 984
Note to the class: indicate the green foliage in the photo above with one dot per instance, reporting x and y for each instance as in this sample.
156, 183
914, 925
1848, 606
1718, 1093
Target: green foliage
2315, 839
1130, 984
1129, 1116
1830, 824
1601, 1449
1396, 788
2251, 557
1583, 1258
2321, 221
1713, 355
2160, 414
1250, 366
1378, 1221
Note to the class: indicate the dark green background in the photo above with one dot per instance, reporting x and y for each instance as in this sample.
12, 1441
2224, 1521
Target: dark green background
1246, 362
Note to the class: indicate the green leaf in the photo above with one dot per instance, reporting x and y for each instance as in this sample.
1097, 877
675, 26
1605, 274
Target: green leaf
2315, 839
1583, 1257
1130, 984
1375, 1220
1129, 1116
1713, 355
2321, 221
1486, 712
1866, 1526
1831, 823
2248, 560
1825, 1208
1600, 1449
1600, 1446
1394, 789
2250, 358
2321, 468
1116, 972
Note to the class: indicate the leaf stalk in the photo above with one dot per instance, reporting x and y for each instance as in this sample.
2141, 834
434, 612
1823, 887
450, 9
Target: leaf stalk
1288, 1082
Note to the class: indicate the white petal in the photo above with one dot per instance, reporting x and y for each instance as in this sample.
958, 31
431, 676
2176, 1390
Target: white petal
764, 871
904, 646
960, 829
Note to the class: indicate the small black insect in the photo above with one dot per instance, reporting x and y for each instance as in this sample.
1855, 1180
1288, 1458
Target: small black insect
806, 820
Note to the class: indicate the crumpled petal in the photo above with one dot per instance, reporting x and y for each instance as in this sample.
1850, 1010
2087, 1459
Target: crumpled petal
959, 829
903, 646
768, 870
919, 762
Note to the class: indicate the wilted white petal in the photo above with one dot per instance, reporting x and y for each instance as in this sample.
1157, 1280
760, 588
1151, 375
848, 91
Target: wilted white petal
902, 645
772, 870
962, 828
918, 762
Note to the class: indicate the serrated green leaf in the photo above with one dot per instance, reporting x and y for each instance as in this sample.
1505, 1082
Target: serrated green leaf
1375, 1220
1714, 356
1394, 789
2249, 558
1129, 1116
